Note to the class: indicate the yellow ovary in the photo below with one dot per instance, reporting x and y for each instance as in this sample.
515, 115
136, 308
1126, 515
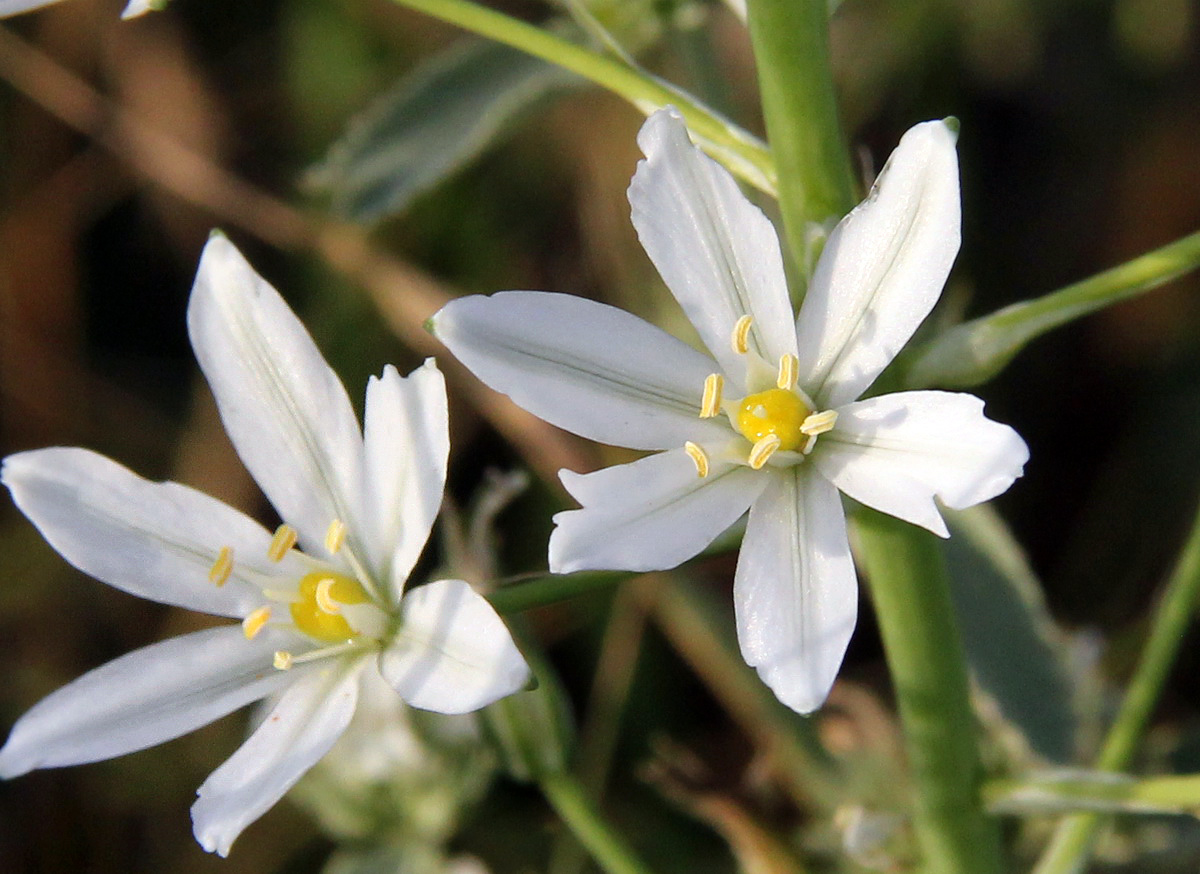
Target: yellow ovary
311, 613
776, 412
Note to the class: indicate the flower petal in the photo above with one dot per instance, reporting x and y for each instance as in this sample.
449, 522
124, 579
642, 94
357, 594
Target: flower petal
453, 652
286, 412
651, 514
146, 697
14, 7
882, 269
592, 369
795, 594
304, 723
716, 251
406, 442
897, 452
153, 540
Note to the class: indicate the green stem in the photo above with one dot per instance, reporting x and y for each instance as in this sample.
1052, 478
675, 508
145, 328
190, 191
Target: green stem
1069, 847
975, 351
742, 153
550, 589
577, 810
928, 667
791, 52
1094, 793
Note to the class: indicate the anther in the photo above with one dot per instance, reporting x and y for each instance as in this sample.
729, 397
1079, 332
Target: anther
789, 364
254, 623
283, 660
710, 404
739, 340
763, 450
219, 573
323, 597
819, 423
284, 540
335, 536
699, 458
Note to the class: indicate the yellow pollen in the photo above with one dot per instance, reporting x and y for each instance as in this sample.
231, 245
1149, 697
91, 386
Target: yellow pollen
323, 597
819, 423
763, 450
335, 536
284, 539
776, 412
789, 364
318, 611
254, 623
283, 660
219, 573
739, 340
710, 404
699, 458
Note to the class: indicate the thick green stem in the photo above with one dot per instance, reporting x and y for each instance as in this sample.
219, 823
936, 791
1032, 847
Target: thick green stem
1073, 839
579, 812
791, 52
742, 153
925, 655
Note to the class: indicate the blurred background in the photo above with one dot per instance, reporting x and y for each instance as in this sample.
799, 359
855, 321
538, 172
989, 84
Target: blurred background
123, 144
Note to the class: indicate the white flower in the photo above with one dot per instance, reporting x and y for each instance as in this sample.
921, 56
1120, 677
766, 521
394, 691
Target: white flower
359, 503
772, 424
133, 8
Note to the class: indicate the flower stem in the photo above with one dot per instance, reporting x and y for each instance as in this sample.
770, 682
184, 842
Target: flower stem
791, 52
1068, 848
742, 153
925, 655
579, 812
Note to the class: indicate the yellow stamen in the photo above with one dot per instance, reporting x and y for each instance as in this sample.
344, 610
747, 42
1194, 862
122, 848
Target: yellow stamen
699, 458
254, 623
739, 340
324, 599
284, 539
219, 573
763, 450
283, 660
809, 444
789, 364
710, 404
819, 423
335, 536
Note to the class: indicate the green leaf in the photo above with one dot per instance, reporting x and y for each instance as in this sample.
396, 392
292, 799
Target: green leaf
434, 121
1016, 652
975, 351
1094, 791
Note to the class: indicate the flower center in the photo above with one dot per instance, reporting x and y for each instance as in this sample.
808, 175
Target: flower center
318, 612
776, 412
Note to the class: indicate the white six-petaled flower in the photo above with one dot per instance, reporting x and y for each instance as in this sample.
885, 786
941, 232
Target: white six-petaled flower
771, 425
315, 620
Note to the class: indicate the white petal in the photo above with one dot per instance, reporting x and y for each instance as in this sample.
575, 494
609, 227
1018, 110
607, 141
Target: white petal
301, 727
286, 412
592, 369
795, 593
453, 652
717, 252
134, 8
14, 7
154, 540
651, 514
897, 452
406, 442
144, 698
882, 269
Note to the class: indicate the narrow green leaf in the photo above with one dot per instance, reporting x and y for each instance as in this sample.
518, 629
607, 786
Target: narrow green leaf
434, 121
1016, 652
975, 351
